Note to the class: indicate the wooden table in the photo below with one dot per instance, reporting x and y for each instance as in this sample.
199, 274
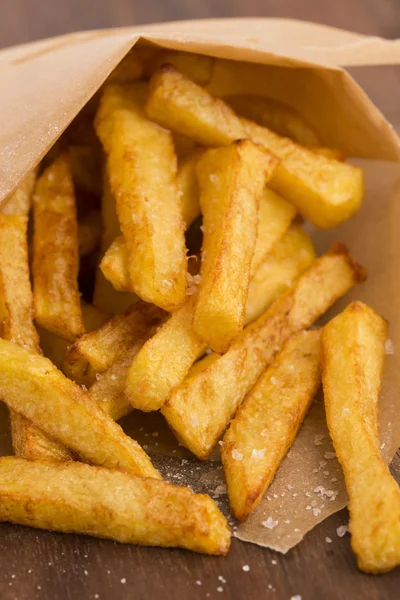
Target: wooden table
46, 566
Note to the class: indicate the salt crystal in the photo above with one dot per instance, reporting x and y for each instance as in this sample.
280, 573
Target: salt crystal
389, 347
318, 439
86, 573
316, 512
198, 582
246, 568
334, 479
297, 530
342, 530
308, 507
274, 562
328, 540
257, 454
99, 376
220, 589
167, 283
213, 178
291, 367
296, 597
383, 445
289, 487
113, 377
346, 411
286, 521
83, 386
264, 432
236, 455
269, 523
274, 380
221, 579
123, 580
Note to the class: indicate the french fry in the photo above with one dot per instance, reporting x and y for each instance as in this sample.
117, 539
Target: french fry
268, 420
326, 191
274, 217
19, 202
130, 69
115, 263
164, 360
177, 103
334, 153
32, 386
353, 350
197, 67
142, 170
231, 181
290, 256
89, 233
77, 498
30, 443
55, 252
276, 115
96, 351
199, 410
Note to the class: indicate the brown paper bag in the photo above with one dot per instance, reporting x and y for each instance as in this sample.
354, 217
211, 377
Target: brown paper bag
45, 84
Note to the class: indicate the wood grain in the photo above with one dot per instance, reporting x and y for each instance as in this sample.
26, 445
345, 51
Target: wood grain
46, 566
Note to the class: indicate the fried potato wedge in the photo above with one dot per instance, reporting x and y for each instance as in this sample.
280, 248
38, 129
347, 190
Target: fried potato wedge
115, 265
164, 360
278, 116
177, 103
267, 422
353, 350
142, 168
89, 233
197, 67
96, 351
19, 202
274, 217
290, 256
55, 252
324, 190
199, 410
231, 181
30, 443
32, 386
77, 498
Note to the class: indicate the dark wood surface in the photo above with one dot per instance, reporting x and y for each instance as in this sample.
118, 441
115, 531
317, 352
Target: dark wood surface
45, 566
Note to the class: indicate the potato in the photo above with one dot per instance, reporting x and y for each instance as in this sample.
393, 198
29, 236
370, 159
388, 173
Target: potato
77, 498
115, 265
142, 169
353, 350
324, 190
19, 202
164, 360
276, 115
197, 67
55, 252
32, 386
89, 233
30, 443
289, 257
177, 103
231, 181
199, 410
267, 422
96, 351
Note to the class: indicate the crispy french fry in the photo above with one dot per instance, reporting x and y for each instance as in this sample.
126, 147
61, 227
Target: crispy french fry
19, 202
115, 265
142, 170
30, 443
55, 252
289, 257
89, 233
276, 115
197, 67
231, 181
353, 350
324, 190
329, 152
164, 361
179, 104
274, 217
77, 498
96, 351
199, 410
32, 386
267, 422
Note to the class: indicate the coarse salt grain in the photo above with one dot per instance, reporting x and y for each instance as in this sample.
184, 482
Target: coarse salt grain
221, 579
236, 455
246, 568
389, 347
342, 530
113, 377
274, 562
264, 432
83, 386
99, 376
328, 540
274, 380
198, 582
257, 454
220, 589
123, 580
296, 597
269, 523
318, 439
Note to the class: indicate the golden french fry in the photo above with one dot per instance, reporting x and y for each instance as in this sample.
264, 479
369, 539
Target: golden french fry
324, 190
77, 498
55, 252
276, 115
96, 351
197, 67
268, 420
115, 265
164, 361
231, 181
199, 410
30, 443
142, 170
274, 218
353, 350
179, 104
89, 233
334, 153
32, 386
289, 257
19, 202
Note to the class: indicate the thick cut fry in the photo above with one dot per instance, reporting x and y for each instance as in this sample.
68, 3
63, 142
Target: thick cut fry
32, 386
164, 360
179, 104
77, 498
197, 67
324, 190
89, 233
231, 181
276, 115
30, 443
115, 262
290, 256
55, 252
142, 170
274, 217
266, 424
353, 349
199, 410
95, 352
19, 203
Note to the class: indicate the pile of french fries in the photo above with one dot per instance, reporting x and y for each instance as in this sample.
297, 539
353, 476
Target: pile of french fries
221, 342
